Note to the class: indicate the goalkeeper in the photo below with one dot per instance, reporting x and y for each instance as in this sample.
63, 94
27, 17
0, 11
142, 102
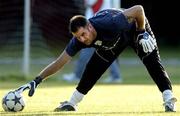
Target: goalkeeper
110, 31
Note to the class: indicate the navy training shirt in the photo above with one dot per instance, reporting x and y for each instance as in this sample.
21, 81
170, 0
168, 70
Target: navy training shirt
109, 24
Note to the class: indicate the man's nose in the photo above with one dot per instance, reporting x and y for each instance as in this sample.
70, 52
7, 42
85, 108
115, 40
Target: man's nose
82, 39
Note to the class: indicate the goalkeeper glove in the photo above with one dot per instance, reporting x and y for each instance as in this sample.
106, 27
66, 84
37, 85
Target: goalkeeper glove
31, 86
147, 42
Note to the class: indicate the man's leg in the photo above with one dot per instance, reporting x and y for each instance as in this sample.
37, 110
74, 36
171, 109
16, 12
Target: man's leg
157, 71
153, 64
96, 66
159, 75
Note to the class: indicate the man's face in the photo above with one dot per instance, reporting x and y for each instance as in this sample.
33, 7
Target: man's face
86, 34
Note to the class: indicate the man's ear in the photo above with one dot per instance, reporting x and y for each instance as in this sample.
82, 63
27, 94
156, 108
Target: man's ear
90, 27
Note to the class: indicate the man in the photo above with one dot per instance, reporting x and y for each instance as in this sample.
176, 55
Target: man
110, 32
92, 7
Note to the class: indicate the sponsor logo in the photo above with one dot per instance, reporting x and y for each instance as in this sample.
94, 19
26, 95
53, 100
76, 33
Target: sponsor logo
98, 42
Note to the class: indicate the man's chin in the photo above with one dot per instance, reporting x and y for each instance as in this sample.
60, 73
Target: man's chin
88, 43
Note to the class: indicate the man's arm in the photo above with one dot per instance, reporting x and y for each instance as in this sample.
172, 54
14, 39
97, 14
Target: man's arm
136, 12
47, 71
55, 65
147, 41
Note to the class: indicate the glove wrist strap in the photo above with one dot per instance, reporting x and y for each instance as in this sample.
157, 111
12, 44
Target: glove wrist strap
38, 80
140, 31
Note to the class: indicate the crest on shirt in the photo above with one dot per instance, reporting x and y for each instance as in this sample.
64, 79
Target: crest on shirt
98, 42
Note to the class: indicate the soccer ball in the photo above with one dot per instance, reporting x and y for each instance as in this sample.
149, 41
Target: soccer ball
13, 102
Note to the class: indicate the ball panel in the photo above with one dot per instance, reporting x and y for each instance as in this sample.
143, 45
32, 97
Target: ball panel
10, 104
10, 95
5, 107
22, 101
18, 107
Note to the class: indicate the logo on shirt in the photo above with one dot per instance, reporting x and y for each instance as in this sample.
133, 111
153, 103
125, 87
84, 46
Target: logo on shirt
98, 42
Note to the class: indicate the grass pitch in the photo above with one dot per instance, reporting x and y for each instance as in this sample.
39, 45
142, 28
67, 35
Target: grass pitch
102, 100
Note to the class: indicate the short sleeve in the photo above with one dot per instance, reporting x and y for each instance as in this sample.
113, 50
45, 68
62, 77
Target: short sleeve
121, 22
110, 20
73, 47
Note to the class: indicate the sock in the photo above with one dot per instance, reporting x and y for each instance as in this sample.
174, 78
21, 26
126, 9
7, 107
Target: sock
76, 97
167, 94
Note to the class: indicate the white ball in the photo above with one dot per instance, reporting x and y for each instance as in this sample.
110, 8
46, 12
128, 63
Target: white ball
13, 102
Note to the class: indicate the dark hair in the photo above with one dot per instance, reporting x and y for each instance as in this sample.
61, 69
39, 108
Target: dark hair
76, 22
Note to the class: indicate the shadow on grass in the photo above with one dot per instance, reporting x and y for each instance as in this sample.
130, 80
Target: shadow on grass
42, 113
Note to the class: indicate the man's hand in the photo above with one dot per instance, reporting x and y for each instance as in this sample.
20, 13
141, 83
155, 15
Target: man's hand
31, 86
147, 42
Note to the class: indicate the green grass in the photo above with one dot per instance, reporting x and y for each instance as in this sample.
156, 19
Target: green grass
102, 100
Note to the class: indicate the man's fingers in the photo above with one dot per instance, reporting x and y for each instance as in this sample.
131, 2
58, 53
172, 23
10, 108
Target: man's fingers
150, 46
32, 89
146, 48
22, 88
147, 45
31, 93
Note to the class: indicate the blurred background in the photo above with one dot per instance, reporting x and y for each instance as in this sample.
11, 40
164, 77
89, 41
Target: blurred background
34, 32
